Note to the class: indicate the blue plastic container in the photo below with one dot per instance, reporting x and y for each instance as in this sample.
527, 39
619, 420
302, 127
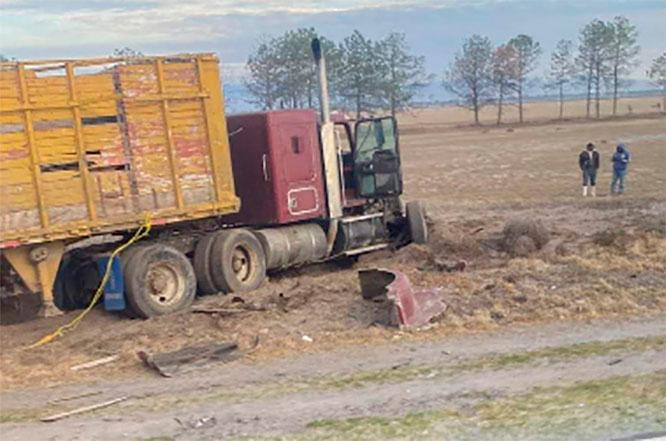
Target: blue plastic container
114, 290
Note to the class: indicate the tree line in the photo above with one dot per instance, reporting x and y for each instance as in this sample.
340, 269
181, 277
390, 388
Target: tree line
366, 75
602, 59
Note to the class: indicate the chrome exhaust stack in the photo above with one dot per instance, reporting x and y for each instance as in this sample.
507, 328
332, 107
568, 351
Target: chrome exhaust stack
329, 149
324, 100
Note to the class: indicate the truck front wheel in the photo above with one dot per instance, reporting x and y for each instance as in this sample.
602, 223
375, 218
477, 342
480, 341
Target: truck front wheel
237, 261
159, 280
416, 218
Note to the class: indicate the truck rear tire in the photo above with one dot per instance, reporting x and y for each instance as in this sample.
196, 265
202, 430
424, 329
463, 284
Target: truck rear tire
416, 218
159, 280
201, 262
76, 283
237, 261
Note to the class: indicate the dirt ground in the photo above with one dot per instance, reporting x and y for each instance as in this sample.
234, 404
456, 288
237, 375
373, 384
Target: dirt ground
606, 258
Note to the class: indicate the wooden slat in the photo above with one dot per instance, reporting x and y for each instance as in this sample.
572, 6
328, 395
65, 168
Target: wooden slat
34, 155
80, 144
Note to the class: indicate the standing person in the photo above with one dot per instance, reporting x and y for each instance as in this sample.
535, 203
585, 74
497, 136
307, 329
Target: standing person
588, 161
621, 160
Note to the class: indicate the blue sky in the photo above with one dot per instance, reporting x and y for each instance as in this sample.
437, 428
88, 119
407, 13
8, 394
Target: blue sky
435, 28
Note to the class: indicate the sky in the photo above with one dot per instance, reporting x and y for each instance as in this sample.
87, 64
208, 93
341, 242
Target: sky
40, 29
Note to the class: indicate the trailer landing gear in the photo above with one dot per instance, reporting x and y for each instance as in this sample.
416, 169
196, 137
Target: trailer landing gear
38, 266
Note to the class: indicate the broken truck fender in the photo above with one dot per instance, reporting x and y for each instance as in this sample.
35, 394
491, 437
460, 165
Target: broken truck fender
409, 308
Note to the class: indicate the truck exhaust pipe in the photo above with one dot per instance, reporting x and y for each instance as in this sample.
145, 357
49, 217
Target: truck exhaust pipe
320, 62
329, 149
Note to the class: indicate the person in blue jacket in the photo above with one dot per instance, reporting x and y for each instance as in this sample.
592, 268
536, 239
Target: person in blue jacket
621, 160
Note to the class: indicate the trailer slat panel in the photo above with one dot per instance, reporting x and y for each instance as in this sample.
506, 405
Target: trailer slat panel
92, 155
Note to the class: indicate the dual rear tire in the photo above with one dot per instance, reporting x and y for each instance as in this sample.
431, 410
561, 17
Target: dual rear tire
160, 280
229, 261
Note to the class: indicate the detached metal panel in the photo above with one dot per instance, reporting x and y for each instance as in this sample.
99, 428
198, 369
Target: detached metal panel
92, 146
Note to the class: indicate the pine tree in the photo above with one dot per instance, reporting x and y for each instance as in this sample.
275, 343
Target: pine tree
562, 70
503, 75
593, 59
469, 77
527, 55
403, 73
622, 53
657, 74
359, 78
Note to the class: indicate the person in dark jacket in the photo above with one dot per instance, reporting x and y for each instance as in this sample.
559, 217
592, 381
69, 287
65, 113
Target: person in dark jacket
621, 159
588, 161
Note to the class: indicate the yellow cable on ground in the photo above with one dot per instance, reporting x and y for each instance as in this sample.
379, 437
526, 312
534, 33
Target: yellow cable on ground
138, 235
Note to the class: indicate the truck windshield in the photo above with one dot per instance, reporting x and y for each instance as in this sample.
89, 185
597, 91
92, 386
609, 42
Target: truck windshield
373, 135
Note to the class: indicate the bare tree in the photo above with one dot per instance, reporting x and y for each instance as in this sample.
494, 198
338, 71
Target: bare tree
503, 74
657, 74
593, 57
404, 74
562, 69
622, 52
527, 54
469, 76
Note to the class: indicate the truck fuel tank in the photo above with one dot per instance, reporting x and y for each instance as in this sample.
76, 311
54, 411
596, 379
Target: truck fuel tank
360, 232
293, 245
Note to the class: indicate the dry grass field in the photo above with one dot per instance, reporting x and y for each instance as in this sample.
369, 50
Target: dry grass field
606, 258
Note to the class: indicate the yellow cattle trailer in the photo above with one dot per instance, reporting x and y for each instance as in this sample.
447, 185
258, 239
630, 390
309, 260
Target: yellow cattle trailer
93, 146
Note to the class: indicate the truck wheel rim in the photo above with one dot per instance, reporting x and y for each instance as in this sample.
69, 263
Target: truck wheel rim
241, 263
165, 283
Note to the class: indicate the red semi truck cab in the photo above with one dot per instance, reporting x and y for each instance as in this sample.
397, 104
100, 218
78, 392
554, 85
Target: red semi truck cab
280, 176
277, 162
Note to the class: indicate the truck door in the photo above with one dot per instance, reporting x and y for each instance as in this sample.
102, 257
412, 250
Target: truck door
300, 171
377, 158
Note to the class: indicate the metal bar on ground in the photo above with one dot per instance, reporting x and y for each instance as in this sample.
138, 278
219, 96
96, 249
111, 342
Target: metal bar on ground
62, 415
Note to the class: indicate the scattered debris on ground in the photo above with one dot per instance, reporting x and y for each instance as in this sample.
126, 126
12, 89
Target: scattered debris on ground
197, 423
95, 363
169, 363
84, 409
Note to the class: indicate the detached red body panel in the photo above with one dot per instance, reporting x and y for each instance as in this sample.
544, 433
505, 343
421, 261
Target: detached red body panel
277, 167
409, 308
